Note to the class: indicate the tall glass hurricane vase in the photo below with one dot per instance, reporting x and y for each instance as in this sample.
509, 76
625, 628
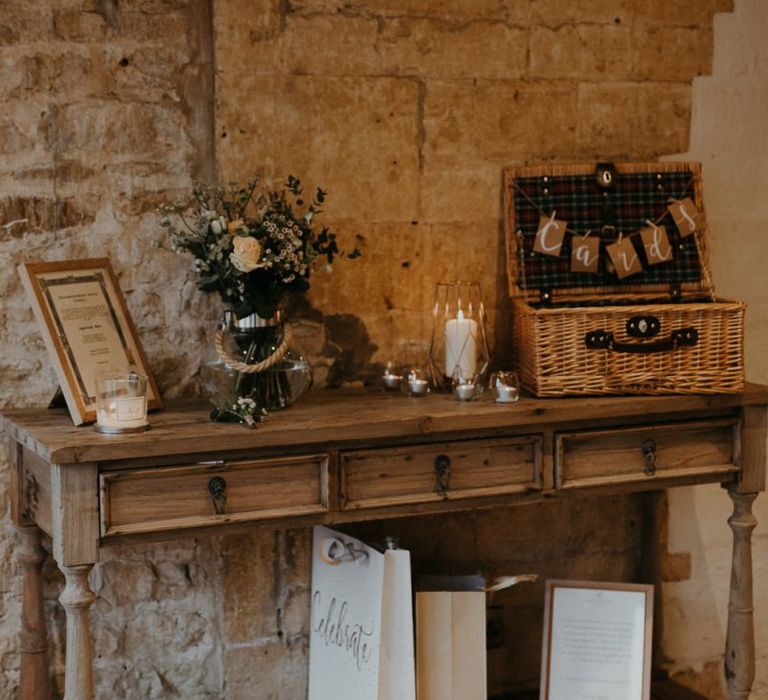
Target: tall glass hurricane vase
259, 368
458, 348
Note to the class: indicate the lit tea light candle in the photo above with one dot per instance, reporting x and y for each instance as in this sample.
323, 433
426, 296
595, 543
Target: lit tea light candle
391, 377
392, 381
506, 394
505, 387
464, 392
418, 387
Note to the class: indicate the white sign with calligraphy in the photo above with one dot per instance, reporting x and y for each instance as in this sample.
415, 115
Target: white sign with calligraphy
361, 627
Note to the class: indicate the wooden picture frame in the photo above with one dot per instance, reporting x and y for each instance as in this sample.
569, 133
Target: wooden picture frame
86, 328
597, 641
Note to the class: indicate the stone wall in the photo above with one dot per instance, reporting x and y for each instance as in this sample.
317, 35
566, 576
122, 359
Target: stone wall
406, 111
106, 112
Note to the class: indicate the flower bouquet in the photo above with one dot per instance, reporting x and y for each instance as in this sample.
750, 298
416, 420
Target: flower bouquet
253, 247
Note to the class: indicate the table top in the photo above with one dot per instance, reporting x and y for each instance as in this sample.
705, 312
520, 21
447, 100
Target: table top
339, 416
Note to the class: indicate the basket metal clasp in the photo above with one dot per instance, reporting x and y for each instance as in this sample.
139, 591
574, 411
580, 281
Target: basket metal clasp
643, 327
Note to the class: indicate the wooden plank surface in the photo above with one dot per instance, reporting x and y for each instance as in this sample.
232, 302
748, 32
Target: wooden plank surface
391, 476
754, 449
616, 454
342, 416
147, 500
75, 514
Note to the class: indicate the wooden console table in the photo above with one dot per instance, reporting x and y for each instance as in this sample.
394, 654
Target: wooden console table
344, 456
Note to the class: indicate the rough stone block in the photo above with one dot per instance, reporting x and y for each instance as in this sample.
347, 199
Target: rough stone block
607, 119
419, 8
663, 118
173, 625
556, 13
582, 51
331, 45
459, 190
672, 53
252, 583
270, 670
391, 273
358, 140
76, 25
24, 22
12, 139
168, 27
147, 74
441, 49
145, 132
248, 40
679, 12
42, 213
631, 120
467, 252
51, 72
499, 120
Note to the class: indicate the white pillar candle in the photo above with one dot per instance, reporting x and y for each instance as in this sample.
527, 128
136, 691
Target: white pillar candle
460, 345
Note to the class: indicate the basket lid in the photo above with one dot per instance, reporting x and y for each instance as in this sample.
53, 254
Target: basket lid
609, 203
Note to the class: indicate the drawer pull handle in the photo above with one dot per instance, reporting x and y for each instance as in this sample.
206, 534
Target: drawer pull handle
442, 474
216, 487
649, 452
604, 340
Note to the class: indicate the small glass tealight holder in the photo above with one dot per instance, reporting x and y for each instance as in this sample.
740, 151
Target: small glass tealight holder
121, 403
505, 387
392, 377
466, 389
415, 382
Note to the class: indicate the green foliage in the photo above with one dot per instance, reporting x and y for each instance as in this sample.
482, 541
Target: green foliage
252, 246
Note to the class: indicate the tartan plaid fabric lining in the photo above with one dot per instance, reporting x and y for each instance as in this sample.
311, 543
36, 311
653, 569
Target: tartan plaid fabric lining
579, 201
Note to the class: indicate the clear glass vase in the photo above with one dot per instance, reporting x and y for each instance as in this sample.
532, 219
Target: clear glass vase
241, 396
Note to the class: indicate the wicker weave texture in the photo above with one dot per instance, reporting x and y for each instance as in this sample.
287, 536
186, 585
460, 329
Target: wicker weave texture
553, 360
550, 346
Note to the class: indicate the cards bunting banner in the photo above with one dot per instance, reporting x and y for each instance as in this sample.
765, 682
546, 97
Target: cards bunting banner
574, 234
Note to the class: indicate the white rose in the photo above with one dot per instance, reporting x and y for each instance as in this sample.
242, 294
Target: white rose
246, 253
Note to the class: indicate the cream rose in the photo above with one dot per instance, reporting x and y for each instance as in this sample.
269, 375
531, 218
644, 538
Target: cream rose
246, 253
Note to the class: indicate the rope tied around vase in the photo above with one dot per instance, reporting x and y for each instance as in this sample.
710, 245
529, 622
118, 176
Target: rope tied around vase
246, 368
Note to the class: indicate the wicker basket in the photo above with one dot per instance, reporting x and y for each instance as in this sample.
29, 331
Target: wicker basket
660, 332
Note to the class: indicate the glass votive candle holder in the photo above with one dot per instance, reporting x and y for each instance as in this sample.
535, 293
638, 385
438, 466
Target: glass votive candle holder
415, 382
465, 389
121, 403
392, 377
505, 387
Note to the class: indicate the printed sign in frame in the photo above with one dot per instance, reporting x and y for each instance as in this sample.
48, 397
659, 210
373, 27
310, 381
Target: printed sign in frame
597, 641
86, 328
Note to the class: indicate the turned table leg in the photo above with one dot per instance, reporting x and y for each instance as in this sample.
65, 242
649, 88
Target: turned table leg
740, 642
76, 599
35, 680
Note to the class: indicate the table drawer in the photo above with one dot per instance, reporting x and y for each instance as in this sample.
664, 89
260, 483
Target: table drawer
165, 498
664, 451
451, 470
